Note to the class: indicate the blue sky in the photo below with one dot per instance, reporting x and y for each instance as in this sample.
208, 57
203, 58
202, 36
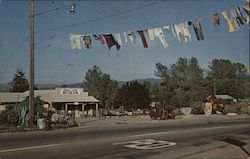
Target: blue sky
56, 62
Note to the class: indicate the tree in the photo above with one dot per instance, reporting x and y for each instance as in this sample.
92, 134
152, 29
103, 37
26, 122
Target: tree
100, 85
133, 95
230, 78
183, 82
19, 83
222, 69
194, 71
180, 69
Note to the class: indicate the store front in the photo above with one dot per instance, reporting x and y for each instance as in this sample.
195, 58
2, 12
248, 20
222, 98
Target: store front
64, 100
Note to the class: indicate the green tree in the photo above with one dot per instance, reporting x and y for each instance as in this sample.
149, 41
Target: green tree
194, 71
231, 78
100, 85
222, 69
19, 83
153, 90
133, 95
180, 70
166, 88
183, 82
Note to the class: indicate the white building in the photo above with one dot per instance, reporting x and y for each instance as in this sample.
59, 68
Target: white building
62, 99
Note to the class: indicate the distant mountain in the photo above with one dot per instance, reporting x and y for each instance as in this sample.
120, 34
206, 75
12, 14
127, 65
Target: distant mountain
73, 85
53, 86
80, 85
4, 87
47, 86
151, 80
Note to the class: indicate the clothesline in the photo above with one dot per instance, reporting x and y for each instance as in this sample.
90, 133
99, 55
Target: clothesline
234, 22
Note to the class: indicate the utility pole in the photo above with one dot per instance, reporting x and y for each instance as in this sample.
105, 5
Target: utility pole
31, 62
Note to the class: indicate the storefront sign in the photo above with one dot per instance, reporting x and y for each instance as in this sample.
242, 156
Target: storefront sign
70, 91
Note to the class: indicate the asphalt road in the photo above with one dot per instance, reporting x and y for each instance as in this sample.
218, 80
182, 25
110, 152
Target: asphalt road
223, 139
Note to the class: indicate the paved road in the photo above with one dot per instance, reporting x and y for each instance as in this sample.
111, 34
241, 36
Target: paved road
223, 139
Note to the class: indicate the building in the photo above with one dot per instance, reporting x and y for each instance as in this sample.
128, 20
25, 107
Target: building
62, 99
223, 97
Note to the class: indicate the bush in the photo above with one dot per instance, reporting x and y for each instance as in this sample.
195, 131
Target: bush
232, 109
244, 109
177, 112
9, 117
197, 108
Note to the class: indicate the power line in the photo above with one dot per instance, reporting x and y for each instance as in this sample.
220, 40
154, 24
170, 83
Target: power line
13, 52
12, 26
5, 17
50, 10
97, 19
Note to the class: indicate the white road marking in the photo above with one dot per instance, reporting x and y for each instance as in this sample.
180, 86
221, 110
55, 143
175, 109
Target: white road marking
28, 148
150, 134
121, 143
218, 127
149, 144
229, 126
190, 130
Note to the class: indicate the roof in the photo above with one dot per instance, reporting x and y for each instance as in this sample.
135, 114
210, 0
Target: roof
11, 97
55, 96
222, 97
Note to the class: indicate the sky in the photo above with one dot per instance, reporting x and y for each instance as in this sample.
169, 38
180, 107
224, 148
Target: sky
56, 62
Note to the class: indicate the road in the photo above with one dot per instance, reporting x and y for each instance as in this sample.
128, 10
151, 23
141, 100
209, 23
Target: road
222, 139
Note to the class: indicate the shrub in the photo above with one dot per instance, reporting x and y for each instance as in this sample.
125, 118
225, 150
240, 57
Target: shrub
234, 108
9, 117
244, 109
178, 112
197, 108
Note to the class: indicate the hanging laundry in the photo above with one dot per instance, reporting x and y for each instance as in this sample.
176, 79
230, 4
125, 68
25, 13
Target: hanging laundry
246, 9
118, 38
151, 34
111, 41
170, 27
131, 36
125, 37
166, 27
87, 42
100, 38
182, 28
216, 19
143, 39
237, 16
146, 35
197, 29
75, 41
159, 34
232, 26
96, 37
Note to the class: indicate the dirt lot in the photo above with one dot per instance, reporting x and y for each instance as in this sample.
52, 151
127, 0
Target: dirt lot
143, 120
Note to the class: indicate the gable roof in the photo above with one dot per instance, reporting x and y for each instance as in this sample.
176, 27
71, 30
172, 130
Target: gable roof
222, 97
11, 97
54, 96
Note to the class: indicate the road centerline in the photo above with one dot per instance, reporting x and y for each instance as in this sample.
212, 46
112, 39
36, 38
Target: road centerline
28, 148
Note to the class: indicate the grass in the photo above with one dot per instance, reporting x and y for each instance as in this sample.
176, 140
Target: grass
5, 129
